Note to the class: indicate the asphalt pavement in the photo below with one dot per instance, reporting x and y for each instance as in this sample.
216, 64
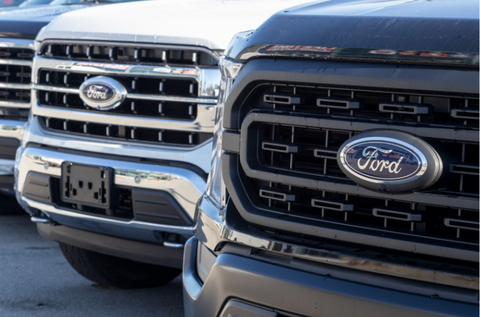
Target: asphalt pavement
36, 280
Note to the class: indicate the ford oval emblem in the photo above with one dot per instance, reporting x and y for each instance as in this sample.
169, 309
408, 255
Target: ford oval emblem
102, 93
390, 161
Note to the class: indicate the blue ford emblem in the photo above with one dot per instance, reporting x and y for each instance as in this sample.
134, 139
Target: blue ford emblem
102, 93
390, 161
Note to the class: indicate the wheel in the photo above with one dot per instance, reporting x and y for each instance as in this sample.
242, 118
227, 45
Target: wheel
116, 272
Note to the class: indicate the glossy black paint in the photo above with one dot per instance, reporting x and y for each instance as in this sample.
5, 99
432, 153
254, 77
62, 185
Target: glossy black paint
419, 29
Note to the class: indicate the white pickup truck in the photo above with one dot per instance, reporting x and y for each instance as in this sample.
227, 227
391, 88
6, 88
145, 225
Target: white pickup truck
117, 149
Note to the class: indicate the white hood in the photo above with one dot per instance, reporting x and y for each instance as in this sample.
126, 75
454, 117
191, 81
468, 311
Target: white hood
207, 23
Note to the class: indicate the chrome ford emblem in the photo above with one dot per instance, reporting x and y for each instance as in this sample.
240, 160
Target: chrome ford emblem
102, 93
390, 161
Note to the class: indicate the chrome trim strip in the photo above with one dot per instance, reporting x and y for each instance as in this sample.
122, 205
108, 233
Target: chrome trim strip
17, 62
17, 43
198, 155
204, 122
172, 98
183, 185
12, 104
11, 129
129, 44
208, 78
212, 230
56, 89
15, 86
131, 230
131, 96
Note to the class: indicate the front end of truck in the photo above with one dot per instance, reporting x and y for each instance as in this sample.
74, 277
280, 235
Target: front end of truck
118, 146
344, 175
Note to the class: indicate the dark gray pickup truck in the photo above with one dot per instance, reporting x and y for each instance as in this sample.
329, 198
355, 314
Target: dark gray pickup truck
347, 140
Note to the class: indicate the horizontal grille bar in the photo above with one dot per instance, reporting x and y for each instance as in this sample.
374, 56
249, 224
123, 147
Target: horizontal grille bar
130, 53
429, 109
130, 107
126, 133
134, 84
437, 224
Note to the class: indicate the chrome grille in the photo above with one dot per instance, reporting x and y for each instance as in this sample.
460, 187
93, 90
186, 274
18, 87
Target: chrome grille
165, 105
136, 54
287, 163
15, 78
155, 136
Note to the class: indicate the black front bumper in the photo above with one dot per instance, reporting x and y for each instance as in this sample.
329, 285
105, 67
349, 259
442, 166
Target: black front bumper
244, 287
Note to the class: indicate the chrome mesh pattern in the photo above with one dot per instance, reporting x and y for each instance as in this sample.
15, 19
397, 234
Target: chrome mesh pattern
171, 91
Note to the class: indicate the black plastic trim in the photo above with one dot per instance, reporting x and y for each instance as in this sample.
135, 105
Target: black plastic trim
418, 78
244, 201
295, 291
8, 148
132, 250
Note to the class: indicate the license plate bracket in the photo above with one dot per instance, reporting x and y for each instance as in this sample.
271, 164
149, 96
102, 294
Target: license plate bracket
86, 185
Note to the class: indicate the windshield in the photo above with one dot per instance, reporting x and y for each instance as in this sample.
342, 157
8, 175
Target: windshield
64, 2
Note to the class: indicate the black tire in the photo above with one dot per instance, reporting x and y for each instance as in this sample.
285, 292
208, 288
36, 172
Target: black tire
116, 272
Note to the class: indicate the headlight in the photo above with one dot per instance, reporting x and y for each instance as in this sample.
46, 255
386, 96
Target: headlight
215, 186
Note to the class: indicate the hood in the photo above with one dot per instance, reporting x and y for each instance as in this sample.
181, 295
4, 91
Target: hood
431, 31
207, 23
26, 22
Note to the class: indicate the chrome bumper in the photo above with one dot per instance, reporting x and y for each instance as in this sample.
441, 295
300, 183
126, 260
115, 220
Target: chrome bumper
184, 185
11, 129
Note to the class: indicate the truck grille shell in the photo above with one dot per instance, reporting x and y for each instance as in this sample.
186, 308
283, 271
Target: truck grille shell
169, 102
286, 163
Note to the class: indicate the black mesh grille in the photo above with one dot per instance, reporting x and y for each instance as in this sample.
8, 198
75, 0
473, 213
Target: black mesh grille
14, 95
433, 109
153, 136
16, 53
299, 150
129, 54
15, 74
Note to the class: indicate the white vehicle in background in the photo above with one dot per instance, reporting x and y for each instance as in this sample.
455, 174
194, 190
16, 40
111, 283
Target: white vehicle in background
117, 149
19, 25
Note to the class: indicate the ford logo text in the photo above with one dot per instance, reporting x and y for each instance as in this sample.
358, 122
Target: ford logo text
102, 93
391, 164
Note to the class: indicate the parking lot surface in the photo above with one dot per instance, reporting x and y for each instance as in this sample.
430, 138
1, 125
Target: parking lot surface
36, 280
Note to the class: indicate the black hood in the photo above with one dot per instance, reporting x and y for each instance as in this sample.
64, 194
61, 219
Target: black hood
26, 22
406, 31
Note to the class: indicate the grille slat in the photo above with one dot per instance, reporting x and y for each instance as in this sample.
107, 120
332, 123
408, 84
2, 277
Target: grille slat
130, 54
123, 133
